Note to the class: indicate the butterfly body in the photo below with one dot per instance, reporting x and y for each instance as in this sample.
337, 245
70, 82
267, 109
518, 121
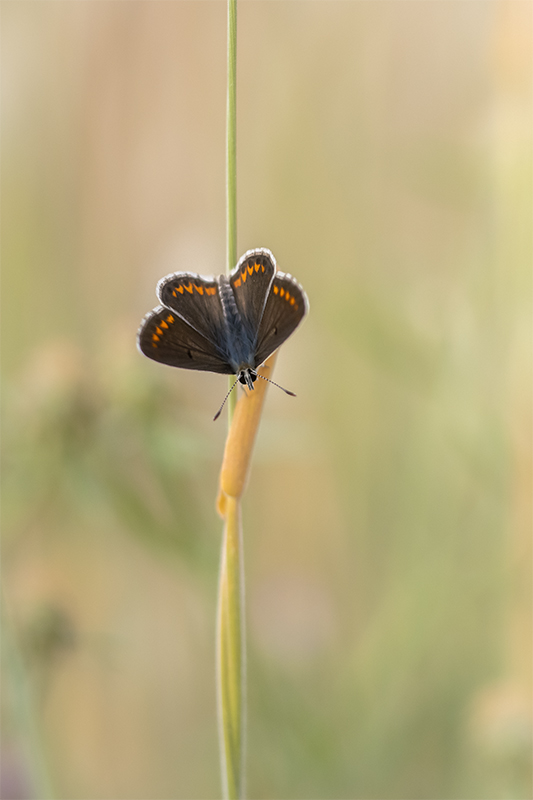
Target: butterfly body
229, 324
239, 341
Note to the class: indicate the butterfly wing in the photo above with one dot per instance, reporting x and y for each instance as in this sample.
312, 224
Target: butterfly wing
165, 337
197, 301
285, 308
250, 281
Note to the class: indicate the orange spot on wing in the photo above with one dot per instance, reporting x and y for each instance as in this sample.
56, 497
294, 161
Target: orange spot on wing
250, 269
189, 288
257, 267
199, 289
155, 337
180, 289
174, 293
163, 324
293, 301
262, 267
154, 344
276, 290
244, 275
170, 318
211, 290
238, 282
159, 331
281, 292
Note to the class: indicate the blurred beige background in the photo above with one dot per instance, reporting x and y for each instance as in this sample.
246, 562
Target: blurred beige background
384, 155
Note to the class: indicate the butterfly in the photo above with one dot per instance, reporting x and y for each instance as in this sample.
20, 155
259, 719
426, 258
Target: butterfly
229, 324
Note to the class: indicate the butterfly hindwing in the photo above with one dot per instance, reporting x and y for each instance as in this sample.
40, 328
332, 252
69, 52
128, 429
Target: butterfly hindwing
165, 337
250, 281
285, 308
196, 299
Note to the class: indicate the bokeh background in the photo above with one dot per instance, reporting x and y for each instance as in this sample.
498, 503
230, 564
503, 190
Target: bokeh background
384, 155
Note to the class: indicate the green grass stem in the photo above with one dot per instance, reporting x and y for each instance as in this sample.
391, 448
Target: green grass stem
231, 160
230, 628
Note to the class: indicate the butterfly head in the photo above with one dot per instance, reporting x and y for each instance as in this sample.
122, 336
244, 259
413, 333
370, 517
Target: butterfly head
247, 376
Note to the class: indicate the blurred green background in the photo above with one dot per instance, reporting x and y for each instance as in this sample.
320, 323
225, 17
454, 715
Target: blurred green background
384, 155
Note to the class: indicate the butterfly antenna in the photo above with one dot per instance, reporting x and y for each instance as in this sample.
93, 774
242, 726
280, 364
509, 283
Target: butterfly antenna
276, 384
217, 415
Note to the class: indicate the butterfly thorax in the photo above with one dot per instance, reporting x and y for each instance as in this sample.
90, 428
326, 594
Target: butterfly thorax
240, 343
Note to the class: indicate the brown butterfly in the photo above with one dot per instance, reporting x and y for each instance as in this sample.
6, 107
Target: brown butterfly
226, 324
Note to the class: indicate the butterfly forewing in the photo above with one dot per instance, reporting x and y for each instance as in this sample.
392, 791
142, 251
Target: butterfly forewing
285, 308
165, 337
196, 300
250, 281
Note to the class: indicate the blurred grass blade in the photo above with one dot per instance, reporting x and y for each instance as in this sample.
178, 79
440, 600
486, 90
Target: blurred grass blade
22, 705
